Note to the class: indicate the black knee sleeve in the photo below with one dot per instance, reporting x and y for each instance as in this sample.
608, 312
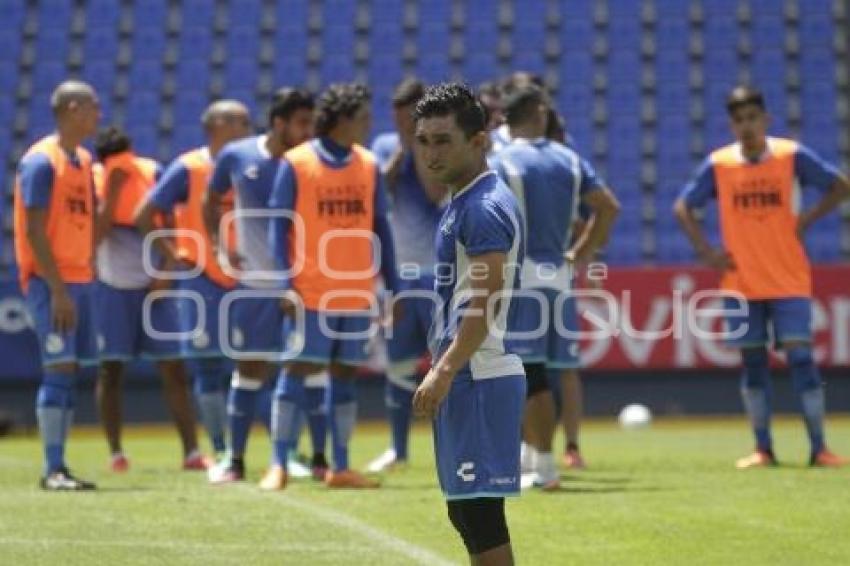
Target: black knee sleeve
537, 379
480, 522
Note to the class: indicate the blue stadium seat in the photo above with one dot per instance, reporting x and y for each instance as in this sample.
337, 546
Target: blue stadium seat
388, 13
10, 42
243, 41
481, 66
143, 107
241, 72
145, 75
187, 137
188, 108
290, 69
530, 60
54, 15
150, 14
385, 70
100, 74
336, 68
433, 67
102, 14
8, 76
193, 73
101, 44
767, 32
145, 138
48, 74
437, 11
195, 41
293, 13
148, 43
767, 65
338, 39
52, 45
199, 12
247, 13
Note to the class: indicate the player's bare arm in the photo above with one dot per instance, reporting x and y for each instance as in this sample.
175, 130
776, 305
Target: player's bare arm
716, 258
472, 330
144, 219
839, 192
606, 208
106, 212
63, 313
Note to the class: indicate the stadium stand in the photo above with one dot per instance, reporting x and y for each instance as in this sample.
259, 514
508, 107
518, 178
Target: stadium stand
640, 82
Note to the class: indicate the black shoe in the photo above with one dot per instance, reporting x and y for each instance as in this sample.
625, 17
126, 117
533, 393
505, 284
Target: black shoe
63, 480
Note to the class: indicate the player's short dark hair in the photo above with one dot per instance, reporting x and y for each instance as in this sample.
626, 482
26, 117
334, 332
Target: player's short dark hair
519, 79
453, 99
522, 103
556, 129
491, 89
286, 101
339, 99
744, 96
110, 141
408, 92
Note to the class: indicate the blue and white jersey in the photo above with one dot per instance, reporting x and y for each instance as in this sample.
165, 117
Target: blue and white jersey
483, 217
500, 138
413, 216
248, 167
549, 180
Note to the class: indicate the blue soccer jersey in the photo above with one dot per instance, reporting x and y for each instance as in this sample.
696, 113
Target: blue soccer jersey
249, 169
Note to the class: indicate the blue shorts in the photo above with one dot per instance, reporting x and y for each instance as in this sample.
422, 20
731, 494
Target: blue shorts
408, 342
789, 320
201, 340
255, 325
552, 314
330, 337
120, 331
477, 437
77, 346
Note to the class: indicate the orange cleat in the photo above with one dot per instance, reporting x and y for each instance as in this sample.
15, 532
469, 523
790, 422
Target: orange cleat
758, 459
197, 462
274, 479
827, 459
349, 479
119, 463
573, 460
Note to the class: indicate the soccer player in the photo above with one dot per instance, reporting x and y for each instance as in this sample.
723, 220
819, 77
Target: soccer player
120, 294
416, 204
180, 192
475, 390
54, 249
334, 187
550, 181
249, 167
757, 182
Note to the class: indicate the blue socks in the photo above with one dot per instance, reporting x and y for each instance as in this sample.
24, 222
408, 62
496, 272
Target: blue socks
317, 417
399, 402
756, 393
241, 407
210, 375
54, 408
342, 414
808, 386
287, 409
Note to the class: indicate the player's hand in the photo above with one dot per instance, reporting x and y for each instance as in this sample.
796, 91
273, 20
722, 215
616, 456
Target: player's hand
162, 283
717, 258
289, 302
431, 392
62, 311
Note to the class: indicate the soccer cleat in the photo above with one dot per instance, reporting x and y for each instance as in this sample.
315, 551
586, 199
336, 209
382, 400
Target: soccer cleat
319, 467
226, 471
63, 480
758, 459
119, 463
527, 457
349, 479
274, 479
386, 462
295, 466
547, 477
573, 460
197, 462
827, 459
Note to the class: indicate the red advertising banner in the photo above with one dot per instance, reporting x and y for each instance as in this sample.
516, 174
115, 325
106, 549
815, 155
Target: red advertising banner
661, 318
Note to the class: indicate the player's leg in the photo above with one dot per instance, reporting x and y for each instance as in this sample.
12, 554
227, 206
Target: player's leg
482, 526
748, 332
792, 326
56, 397
564, 355
210, 381
572, 403
539, 424
351, 351
108, 395
315, 392
175, 390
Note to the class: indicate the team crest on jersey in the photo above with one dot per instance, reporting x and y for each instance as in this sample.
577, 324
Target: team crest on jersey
201, 340
251, 172
448, 223
54, 343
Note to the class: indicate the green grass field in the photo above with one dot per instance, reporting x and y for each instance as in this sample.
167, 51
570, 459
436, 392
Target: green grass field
667, 495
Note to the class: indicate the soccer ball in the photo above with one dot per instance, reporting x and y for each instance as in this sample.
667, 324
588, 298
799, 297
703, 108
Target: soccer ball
635, 416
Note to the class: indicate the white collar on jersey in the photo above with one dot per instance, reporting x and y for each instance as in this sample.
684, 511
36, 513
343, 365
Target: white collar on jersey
765, 155
261, 145
472, 183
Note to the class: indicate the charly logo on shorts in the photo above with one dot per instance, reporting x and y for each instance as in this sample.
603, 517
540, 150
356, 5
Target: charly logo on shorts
251, 172
574, 349
54, 343
238, 337
201, 340
466, 471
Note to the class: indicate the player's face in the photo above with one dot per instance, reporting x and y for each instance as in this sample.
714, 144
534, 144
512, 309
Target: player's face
749, 124
235, 127
86, 115
404, 124
297, 129
445, 150
361, 122
494, 111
